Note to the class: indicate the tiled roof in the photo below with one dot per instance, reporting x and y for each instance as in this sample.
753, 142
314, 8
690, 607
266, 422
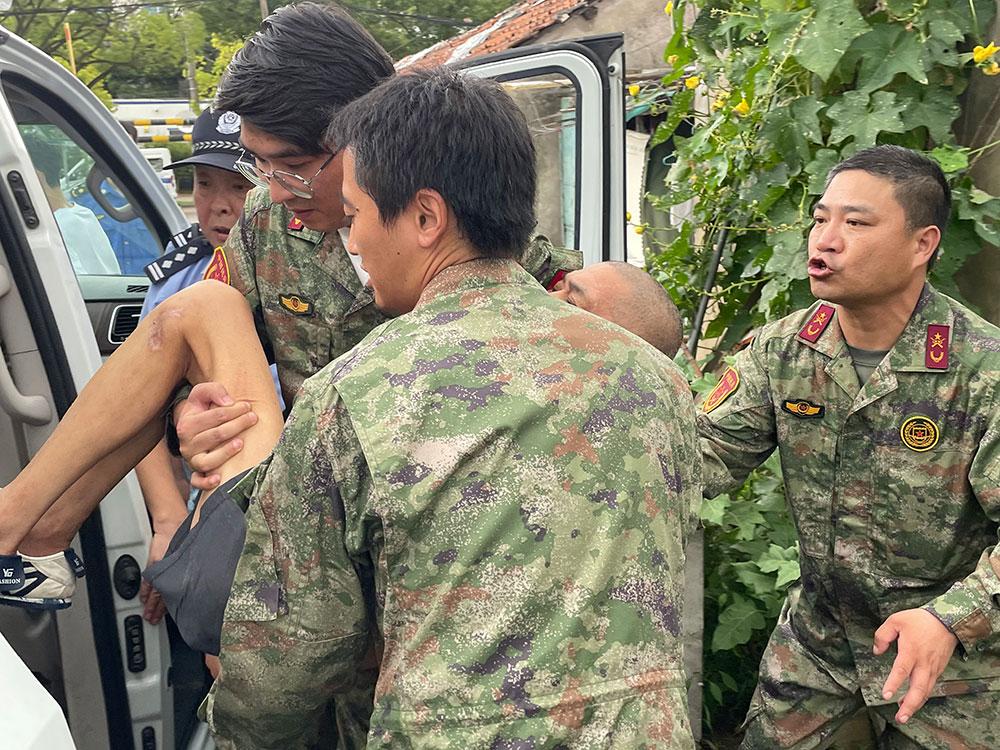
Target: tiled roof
507, 29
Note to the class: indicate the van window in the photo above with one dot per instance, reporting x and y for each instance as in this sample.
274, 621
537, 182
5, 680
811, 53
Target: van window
105, 234
156, 162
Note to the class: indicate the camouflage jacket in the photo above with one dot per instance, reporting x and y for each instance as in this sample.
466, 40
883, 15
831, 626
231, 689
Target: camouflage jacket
491, 491
309, 304
894, 487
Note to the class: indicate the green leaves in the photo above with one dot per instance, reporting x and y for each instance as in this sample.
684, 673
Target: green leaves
825, 38
862, 118
885, 51
737, 623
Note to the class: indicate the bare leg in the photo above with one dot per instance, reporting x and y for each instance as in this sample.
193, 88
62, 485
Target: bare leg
204, 333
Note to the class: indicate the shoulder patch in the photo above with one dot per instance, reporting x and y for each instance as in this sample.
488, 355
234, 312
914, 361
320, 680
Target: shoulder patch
812, 330
187, 248
804, 409
727, 386
218, 267
936, 349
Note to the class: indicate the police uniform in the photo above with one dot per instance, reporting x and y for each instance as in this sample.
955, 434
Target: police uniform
492, 492
894, 488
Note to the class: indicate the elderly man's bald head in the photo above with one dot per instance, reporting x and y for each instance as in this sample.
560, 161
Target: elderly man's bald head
628, 296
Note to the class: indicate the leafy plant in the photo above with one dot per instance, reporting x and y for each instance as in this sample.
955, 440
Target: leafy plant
793, 87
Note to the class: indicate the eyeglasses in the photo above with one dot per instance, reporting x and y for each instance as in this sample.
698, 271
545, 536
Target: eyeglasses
295, 184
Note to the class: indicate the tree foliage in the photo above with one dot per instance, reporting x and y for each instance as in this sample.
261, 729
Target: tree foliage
131, 49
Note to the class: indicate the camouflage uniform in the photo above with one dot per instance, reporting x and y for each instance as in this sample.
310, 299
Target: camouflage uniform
308, 303
895, 492
489, 495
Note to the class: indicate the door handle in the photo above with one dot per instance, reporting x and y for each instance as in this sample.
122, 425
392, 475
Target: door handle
33, 410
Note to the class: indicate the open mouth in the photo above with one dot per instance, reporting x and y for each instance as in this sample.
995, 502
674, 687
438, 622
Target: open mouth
818, 268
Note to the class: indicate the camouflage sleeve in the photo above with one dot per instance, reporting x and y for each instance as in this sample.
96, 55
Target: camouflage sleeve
297, 625
548, 263
240, 251
971, 607
736, 422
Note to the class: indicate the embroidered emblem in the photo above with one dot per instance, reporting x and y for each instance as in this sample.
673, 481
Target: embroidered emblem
218, 267
919, 433
296, 304
812, 330
804, 409
936, 349
229, 123
727, 386
296, 224
556, 278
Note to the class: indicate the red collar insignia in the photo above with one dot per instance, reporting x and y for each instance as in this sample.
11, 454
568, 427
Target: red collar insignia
296, 224
936, 349
556, 278
812, 330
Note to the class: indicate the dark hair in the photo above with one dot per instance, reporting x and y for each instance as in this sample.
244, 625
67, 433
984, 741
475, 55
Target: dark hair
460, 135
918, 183
305, 63
46, 156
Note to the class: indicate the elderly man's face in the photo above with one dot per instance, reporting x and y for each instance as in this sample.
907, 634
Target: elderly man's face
594, 289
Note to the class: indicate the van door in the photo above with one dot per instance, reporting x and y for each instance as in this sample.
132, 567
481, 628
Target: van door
572, 94
81, 213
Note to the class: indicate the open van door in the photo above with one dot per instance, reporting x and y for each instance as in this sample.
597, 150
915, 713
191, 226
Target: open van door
572, 94
81, 213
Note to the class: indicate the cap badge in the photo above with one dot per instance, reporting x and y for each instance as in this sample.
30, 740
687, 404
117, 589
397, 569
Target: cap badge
229, 123
919, 433
727, 386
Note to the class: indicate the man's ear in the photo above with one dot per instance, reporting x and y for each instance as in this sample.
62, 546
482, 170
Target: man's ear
928, 240
431, 215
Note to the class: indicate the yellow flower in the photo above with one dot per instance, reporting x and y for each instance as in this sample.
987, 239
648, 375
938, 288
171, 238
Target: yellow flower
992, 69
743, 108
981, 54
628, 216
669, 7
640, 229
633, 89
672, 60
692, 82
720, 101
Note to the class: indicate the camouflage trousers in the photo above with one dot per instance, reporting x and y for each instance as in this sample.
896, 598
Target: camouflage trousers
801, 703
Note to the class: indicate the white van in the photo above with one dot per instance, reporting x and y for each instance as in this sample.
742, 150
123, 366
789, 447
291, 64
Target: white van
121, 682
158, 159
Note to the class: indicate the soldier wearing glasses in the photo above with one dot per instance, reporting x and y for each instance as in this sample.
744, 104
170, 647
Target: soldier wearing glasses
287, 256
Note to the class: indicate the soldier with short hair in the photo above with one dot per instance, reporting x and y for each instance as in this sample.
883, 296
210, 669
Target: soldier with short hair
881, 400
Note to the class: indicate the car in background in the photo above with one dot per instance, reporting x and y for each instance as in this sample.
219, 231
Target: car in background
158, 159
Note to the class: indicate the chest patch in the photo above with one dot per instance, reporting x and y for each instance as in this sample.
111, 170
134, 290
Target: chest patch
727, 386
919, 433
804, 409
296, 304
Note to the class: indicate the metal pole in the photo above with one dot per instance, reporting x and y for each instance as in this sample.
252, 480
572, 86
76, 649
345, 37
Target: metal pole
69, 47
699, 316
